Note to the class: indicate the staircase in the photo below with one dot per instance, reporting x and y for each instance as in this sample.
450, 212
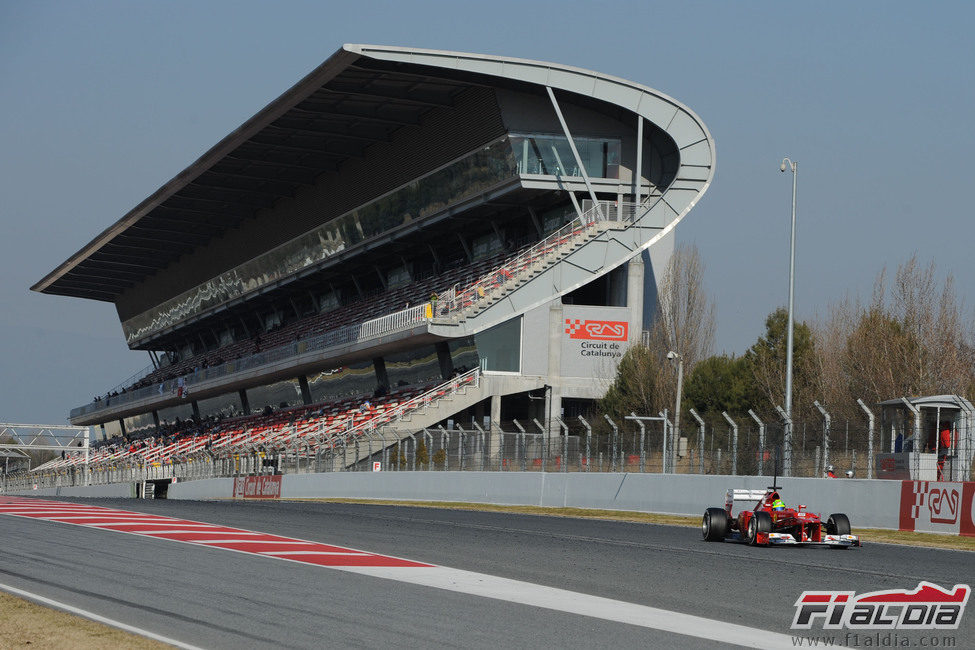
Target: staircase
457, 306
372, 436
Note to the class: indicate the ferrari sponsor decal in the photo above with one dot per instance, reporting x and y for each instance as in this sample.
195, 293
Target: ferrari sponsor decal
939, 507
928, 607
596, 330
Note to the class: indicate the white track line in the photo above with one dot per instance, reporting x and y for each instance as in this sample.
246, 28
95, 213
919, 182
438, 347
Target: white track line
95, 617
526, 593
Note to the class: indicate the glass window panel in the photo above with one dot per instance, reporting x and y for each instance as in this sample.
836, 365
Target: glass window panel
227, 406
281, 394
137, 425
419, 366
336, 383
463, 354
455, 182
499, 347
170, 414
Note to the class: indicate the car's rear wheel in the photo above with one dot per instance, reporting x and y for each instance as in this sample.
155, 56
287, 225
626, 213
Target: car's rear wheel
838, 524
714, 526
761, 522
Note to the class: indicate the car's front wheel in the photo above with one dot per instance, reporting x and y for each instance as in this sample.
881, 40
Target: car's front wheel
838, 524
761, 522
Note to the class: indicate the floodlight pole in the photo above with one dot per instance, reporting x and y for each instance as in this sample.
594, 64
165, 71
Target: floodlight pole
786, 450
787, 455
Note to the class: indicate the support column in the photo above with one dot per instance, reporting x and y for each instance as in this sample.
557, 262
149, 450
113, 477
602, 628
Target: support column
553, 396
196, 409
493, 441
244, 404
155, 416
305, 390
446, 363
634, 298
379, 365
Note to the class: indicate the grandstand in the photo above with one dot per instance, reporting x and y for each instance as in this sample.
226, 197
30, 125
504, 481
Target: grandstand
405, 238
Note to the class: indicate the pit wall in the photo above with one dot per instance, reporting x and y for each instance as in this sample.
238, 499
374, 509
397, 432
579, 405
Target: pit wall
923, 506
873, 504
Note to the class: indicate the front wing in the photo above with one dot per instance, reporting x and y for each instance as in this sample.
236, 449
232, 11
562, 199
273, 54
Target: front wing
840, 541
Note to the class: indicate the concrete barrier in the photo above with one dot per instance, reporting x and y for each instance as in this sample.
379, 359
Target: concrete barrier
124, 490
868, 503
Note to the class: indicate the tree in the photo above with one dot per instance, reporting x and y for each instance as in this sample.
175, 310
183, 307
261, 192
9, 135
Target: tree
721, 383
646, 382
767, 361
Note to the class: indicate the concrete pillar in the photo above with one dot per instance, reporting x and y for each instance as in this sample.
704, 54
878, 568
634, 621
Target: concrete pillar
196, 409
382, 379
244, 403
155, 416
305, 390
553, 401
493, 438
634, 298
446, 363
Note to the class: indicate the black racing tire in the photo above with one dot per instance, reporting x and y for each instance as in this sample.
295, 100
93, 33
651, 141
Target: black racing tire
761, 522
838, 524
714, 525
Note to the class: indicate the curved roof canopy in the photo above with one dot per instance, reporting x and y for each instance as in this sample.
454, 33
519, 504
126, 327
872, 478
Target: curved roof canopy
361, 95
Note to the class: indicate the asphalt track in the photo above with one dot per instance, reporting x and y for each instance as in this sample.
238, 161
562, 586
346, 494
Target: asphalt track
215, 598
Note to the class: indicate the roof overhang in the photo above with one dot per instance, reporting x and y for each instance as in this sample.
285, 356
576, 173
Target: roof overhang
359, 96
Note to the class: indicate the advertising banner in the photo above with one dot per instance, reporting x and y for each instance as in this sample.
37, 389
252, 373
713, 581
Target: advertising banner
938, 507
257, 487
594, 340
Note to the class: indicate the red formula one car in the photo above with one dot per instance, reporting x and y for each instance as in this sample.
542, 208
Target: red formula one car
769, 522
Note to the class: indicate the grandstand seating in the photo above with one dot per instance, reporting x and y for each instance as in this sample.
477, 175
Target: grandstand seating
419, 291
311, 428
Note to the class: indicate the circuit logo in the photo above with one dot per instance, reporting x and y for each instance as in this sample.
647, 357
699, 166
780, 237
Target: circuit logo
596, 330
929, 607
944, 499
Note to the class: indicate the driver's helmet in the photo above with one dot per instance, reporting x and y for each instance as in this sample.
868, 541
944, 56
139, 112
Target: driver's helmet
778, 505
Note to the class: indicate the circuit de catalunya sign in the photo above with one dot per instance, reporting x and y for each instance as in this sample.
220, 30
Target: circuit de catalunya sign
257, 487
938, 507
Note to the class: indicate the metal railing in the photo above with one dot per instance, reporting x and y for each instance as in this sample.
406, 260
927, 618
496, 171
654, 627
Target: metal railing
494, 284
382, 326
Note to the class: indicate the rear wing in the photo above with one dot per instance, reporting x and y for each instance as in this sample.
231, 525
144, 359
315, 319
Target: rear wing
742, 496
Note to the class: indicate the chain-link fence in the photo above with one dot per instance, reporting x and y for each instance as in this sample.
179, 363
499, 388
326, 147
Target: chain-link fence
708, 444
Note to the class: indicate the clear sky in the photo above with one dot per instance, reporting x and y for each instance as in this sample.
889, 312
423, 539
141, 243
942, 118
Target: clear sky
103, 102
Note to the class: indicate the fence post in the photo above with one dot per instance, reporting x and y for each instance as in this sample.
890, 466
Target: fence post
612, 462
588, 445
761, 441
544, 440
643, 437
826, 423
443, 445
869, 437
786, 442
916, 448
665, 456
734, 443
520, 448
565, 445
700, 439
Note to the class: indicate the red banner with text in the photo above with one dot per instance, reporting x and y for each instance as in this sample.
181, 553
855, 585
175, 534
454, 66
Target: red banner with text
257, 487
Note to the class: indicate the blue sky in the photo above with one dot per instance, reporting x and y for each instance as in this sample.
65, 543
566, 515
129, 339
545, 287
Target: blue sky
102, 102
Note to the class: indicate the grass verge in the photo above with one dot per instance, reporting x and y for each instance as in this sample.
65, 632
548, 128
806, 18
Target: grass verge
875, 535
24, 624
